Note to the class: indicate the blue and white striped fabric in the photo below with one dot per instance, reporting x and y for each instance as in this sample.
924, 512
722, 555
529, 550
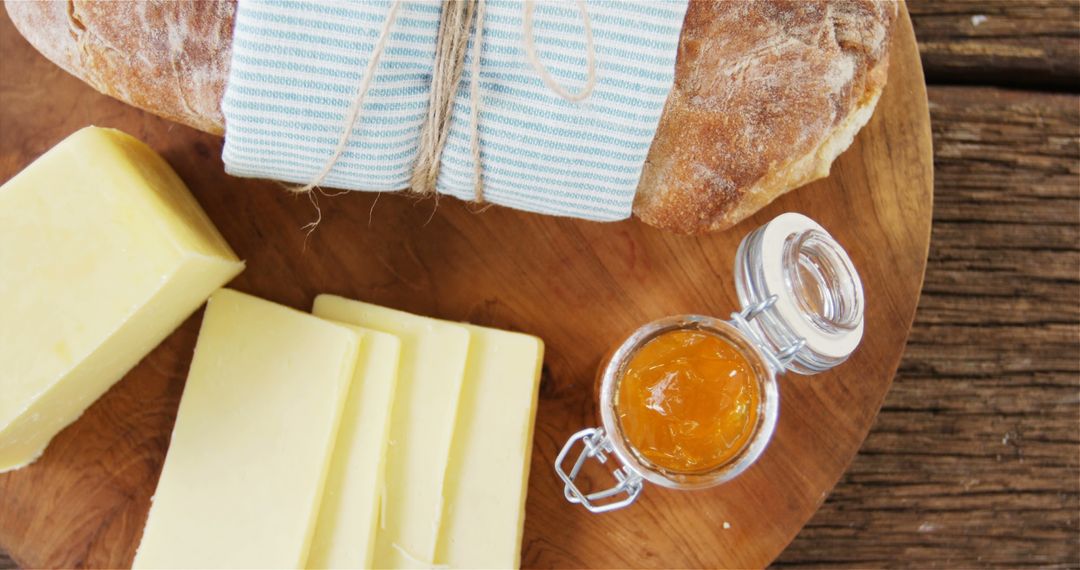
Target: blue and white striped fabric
296, 67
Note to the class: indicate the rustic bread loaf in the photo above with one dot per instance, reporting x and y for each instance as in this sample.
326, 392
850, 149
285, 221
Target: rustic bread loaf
169, 58
767, 92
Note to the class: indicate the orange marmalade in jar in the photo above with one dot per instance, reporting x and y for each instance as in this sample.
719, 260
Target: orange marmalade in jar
692, 401
688, 401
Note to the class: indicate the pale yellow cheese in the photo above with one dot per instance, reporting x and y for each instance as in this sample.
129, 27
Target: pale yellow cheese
348, 518
422, 422
244, 475
488, 475
103, 252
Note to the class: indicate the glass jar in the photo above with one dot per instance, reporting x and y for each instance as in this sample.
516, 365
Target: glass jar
802, 311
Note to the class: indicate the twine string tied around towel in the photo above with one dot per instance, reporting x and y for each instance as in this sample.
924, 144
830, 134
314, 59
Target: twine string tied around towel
455, 23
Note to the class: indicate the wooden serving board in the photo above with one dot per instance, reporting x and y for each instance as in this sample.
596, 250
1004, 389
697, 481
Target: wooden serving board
580, 286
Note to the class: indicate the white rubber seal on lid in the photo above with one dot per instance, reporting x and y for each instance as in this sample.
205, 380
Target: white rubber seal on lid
775, 234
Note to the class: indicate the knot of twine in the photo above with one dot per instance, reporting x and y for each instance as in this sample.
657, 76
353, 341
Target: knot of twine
455, 24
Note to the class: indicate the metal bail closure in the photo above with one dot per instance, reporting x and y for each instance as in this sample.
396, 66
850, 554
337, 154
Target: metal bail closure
780, 359
597, 445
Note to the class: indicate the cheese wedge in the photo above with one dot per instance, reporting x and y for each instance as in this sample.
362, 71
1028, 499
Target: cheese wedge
348, 517
103, 252
422, 422
488, 475
244, 475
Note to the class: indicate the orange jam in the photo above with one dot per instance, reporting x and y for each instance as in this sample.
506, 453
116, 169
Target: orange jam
688, 401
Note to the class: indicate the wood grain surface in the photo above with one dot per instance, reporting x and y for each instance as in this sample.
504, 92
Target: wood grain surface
580, 286
1028, 43
973, 459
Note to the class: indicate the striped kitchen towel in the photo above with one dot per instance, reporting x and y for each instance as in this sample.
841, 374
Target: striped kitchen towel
297, 65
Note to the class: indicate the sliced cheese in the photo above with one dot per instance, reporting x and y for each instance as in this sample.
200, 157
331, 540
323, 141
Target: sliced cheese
348, 517
425, 407
103, 252
488, 475
244, 475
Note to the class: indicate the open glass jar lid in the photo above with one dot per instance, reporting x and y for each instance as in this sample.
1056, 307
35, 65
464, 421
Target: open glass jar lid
691, 401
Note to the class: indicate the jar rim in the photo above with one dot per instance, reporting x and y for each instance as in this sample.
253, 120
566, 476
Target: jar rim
814, 262
768, 265
768, 405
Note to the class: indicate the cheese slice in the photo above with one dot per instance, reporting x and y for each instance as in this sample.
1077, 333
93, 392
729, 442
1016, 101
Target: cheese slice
422, 422
244, 475
103, 252
488, 475
348, 517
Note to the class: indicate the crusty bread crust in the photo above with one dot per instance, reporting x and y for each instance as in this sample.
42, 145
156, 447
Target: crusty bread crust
169, 58
767, 93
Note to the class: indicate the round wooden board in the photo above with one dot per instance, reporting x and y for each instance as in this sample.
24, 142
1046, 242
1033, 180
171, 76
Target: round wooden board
580, 286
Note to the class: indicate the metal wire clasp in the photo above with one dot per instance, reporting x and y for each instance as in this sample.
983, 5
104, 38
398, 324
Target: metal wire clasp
596, 444
779, 359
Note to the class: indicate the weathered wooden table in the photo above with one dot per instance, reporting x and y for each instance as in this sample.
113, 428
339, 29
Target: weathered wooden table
975, 458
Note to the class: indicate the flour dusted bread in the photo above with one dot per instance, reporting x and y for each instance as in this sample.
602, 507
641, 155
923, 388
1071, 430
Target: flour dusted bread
767, 92
170, 58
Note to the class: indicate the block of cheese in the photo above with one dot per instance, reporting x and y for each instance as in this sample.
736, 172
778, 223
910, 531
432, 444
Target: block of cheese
348, 517
421, 425
488, 475
103, 252
244, 475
